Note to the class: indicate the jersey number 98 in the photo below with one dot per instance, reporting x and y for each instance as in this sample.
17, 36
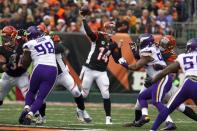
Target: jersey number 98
45, 48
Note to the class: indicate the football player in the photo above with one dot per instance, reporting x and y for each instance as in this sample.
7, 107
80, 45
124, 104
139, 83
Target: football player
65, 79
40, 51
10, 62
102, 46
166, 45
187, 62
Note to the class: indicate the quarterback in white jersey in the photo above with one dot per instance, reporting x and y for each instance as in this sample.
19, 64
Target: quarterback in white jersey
40, 50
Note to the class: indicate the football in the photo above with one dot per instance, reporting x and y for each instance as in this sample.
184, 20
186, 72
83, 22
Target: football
85, 11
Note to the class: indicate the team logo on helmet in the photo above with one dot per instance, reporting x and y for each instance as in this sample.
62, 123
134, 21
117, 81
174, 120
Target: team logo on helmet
33, 32
191, 45
145, 40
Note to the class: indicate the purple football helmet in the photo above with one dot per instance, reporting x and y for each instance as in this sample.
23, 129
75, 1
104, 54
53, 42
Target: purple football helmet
191, 45
33, 32
145, 40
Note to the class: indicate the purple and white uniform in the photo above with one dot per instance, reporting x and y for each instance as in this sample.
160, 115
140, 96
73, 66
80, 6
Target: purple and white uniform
188, 64
44, 71
158, 90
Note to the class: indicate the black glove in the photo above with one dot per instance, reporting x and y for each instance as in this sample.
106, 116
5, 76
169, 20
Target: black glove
148, 82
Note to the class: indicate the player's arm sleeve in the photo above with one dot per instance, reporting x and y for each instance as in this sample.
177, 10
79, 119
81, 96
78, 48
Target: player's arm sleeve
26, 57
116, 52
172, 68
59, 48
93, 36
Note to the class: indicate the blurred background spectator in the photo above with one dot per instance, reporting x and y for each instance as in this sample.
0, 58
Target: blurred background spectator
131, 16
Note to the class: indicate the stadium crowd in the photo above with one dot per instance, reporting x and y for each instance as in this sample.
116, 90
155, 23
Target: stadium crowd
131, 16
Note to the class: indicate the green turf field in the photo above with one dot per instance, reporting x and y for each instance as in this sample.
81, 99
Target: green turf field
64, 116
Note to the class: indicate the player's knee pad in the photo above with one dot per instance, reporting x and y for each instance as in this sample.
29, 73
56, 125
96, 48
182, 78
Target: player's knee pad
1, 103
105, 94
75, 92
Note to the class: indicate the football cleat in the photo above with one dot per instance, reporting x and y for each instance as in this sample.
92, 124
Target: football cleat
39, 120
86, 117
169, 126
108, 120
27, 120
130, 124
79, 115
22, 116
83, 116
143, 120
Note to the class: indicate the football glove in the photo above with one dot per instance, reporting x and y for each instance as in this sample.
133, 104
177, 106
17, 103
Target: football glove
123, 62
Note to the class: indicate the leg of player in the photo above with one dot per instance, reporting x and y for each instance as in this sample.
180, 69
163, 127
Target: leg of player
41, 83
87, 78
187, 90
66, 80
138, 112
5, 87
158, 95
157, 92
188, 111
143, 97
103, 83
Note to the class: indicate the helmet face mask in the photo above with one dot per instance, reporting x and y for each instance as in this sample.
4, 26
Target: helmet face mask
109, 28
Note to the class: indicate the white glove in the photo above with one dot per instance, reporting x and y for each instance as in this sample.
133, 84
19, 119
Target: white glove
122, 60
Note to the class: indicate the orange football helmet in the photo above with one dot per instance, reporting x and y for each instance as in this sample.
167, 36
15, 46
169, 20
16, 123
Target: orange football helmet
43, 28
109, 27
9, 34
56, 38
167, 42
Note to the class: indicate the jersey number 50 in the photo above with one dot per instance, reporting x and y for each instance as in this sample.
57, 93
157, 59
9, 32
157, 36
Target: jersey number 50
44, 48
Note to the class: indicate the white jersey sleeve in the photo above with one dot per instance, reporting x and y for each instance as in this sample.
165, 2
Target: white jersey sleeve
188, 63
42, 51
155, 53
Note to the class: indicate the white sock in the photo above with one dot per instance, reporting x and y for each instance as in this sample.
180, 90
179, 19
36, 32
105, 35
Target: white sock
145, 111
169, 119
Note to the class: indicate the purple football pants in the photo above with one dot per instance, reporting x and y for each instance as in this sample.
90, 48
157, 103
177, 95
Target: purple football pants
188, 90
156, 92
41, 83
